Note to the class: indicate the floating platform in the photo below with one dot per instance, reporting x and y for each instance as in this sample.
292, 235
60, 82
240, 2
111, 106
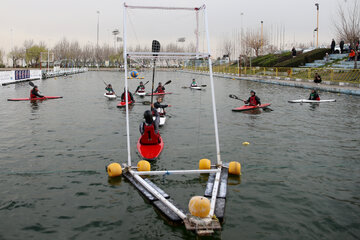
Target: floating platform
191, 224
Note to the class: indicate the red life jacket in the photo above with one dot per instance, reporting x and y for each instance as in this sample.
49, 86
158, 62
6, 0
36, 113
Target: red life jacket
253, 101
160, 89
318, 98
32, 95
149, 137
129, 98
141, 88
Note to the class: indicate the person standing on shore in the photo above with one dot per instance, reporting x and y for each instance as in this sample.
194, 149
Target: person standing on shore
333, 46
293, 52
341, 46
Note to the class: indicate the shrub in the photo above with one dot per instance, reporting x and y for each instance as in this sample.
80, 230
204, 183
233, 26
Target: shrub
301, 59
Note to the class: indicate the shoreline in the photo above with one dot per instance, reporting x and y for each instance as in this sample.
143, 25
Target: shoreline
328, 86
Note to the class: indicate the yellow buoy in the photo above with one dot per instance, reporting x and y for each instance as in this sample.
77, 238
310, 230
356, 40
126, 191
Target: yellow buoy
235, 168
114, 170
233, 79
245, 143
143, 166
204, 163
199, 206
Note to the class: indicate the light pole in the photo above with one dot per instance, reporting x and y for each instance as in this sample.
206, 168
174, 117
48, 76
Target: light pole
97, 35
317, 25
315, 30
115, 32
262, 29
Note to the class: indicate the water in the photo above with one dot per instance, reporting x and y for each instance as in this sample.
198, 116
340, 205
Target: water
300, 173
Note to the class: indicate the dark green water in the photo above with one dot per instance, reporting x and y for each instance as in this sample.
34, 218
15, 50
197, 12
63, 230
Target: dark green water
300, 173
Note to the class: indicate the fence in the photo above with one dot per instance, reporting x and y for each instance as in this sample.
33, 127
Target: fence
327, 74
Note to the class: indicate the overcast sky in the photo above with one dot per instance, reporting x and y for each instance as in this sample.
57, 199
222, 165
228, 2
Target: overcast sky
49, 20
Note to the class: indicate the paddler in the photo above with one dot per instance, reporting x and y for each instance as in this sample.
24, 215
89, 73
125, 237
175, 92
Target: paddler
149, 129
110, 89
160, 88
140, 88
160, 108
193, 84
130, 96
314, 95
34, 93
253, 99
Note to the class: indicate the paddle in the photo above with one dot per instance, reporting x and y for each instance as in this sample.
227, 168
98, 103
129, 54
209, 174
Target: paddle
155, 48
266, 109
235, 97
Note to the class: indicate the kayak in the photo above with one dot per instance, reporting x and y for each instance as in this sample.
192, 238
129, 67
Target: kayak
34, 99
150, 152
247, 107
110, 95
141, 93
311, 101
149, 94
198, 88
162, 120
123, 104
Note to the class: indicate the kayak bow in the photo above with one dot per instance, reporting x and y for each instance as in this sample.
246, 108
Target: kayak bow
150, 152
247, 107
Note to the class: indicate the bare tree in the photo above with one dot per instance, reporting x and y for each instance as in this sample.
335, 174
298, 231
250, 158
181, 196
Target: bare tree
228, 48
16, 54
2, 54
348, 25
252, 40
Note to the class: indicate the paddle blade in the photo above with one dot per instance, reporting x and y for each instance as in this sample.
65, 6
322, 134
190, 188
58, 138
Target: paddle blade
167, 82
146, 102
203, 85
31, 84
146, 83
233, 96
155, 47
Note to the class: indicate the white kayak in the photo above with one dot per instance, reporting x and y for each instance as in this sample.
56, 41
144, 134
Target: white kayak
311, 101
162, 120
141, 93
110, 95
197, 88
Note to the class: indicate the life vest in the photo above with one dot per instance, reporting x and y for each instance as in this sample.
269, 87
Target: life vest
149, 137
253, 101
141, 88
32, 95
160, 89
318, 98
123, 98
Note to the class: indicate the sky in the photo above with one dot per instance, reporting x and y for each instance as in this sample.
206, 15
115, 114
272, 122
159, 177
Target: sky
50, 21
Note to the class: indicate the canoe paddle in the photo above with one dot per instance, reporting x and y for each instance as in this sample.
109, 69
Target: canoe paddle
235, 97
266, 109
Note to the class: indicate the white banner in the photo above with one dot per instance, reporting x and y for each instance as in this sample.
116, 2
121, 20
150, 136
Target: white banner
19, 75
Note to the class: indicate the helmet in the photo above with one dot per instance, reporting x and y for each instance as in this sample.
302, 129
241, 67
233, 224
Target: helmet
35, 86
159, 83
252, 91
141, 82
148, 116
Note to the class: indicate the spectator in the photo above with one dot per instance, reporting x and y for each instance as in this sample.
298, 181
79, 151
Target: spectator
351, 55
357, 46
341, 46
326, 57
317, 78
333, 46
293, 52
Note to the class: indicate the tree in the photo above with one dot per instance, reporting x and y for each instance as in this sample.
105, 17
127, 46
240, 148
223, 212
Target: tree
348, 25
2, 53
16, 54
252, 40
32, 54
228, 48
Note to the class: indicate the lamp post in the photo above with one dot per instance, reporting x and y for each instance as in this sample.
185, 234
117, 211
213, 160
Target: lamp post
115, 32
97, 35
315, 30
262, 29
317, 25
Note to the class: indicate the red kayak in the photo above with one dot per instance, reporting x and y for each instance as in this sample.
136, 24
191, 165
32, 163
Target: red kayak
33, 99
151, 151
123, 104
149, 94
247, 107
